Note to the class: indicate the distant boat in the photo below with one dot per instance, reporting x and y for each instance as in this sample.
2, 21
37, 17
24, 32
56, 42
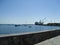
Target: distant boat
17, 25
25, 24
30, 26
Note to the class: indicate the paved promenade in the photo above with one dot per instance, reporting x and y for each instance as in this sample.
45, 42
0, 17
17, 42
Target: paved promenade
52, 41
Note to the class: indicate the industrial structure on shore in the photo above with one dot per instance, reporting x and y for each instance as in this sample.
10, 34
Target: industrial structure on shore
41, 22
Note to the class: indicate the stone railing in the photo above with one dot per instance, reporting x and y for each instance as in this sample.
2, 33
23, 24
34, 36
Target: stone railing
28, 38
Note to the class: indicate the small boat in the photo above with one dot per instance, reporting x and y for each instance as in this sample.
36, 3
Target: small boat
17, 25
30, 26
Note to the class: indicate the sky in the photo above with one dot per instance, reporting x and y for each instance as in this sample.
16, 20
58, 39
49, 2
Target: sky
29, 11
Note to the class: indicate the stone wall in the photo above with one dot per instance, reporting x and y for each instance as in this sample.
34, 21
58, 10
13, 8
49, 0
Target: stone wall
28, 39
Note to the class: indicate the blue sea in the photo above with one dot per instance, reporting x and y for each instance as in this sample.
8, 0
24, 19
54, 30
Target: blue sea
23, 28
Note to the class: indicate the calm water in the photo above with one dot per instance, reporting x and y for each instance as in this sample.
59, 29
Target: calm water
9, 29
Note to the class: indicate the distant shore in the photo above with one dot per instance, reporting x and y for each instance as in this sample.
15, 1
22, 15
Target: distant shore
50, 24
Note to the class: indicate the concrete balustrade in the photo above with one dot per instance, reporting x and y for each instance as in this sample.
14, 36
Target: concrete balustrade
28, 39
